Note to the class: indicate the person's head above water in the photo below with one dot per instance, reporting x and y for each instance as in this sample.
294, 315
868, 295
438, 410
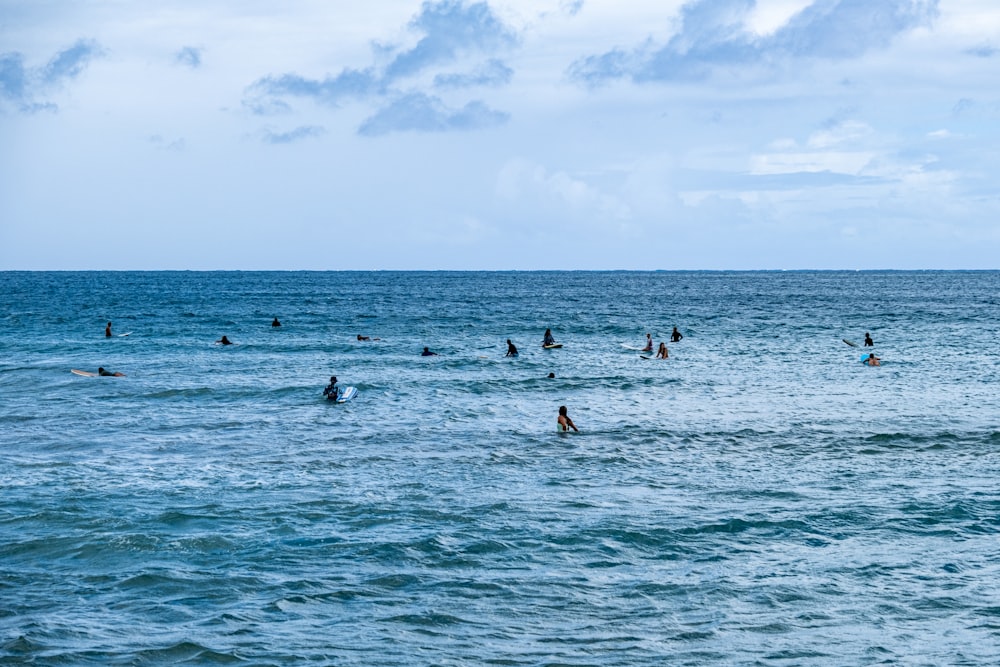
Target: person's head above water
562, 410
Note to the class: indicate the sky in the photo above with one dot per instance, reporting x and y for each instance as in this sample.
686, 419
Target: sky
499, 134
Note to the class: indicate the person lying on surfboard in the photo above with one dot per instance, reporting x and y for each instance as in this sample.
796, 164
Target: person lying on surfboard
548, 339
106, 373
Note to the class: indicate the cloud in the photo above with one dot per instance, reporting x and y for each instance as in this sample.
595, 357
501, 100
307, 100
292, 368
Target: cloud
492, 73
449, 30
417, 112
21, 85
162, 144
188, 56
299, 133
983, 51
715, 34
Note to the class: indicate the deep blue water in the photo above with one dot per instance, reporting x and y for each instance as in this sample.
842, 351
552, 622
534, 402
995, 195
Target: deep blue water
760, 498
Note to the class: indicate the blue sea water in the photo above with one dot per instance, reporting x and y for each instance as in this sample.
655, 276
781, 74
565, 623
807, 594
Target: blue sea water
760, 498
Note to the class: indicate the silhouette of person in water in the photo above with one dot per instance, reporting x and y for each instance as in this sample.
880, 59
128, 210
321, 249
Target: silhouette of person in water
224, 341
276, 323
331, 391
868, 340
428, 353
675, 336
511, 350
107, 331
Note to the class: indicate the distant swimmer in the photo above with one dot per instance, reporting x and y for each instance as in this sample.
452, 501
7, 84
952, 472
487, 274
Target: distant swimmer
675, 336
511, 350
548, 339
649, 343
661, 352
552, 376
868, 340
276, 323
107, 331
224, 341
872, 360
106, 373
564, 423
428, 353
331, 392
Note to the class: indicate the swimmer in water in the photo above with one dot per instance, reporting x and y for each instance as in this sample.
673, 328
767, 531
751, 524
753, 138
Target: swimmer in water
868, 340
276, 323
428, 353
675, 336
872, 360
564, 423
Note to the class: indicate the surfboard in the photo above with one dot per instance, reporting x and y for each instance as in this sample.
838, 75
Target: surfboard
127, 333
554, 346
86, 374
347, 394
849, 342
635, 348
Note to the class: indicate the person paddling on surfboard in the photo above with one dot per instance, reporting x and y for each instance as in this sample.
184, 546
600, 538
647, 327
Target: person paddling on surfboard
331, 392
868, 340
106, 373
511, 350
564, 423
548, 339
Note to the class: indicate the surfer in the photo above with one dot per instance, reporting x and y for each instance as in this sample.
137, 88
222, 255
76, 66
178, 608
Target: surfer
661, 352
276, 323
106, 373
107, 331
552, 376
224, 341
428, 353
360, 337
868, 340
548, 339
331, 392
675, 336
511, 350
872, 360
649, 343
564, 423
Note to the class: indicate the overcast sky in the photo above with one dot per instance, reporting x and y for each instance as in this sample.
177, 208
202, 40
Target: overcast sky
499, 134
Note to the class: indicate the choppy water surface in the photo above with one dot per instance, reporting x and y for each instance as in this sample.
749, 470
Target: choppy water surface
759, 498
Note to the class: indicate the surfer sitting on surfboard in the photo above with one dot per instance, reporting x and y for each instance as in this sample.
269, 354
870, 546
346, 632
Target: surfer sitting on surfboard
548, 339
649, 343
661, 352
511, 350
107, 331
331, 391
868, 340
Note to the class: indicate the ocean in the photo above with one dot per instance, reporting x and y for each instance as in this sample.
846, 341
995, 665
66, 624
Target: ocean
760, 498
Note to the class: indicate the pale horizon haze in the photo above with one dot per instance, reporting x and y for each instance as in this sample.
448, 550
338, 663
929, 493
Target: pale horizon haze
499, 134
